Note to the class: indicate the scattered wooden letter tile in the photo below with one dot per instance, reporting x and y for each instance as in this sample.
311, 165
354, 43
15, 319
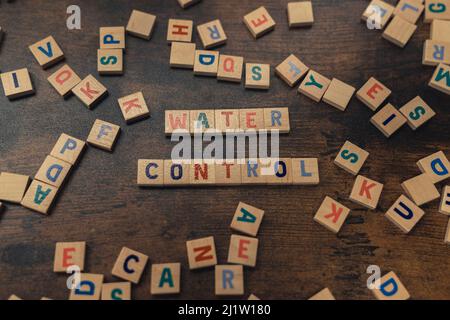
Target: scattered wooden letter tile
112, 38
277, 119
437, 9
90, 91
64, 80
212, 34
291, 70
201, 253
379, 11
227, 120
435, 52
259, 22
324, 294
247, 219
68, 148
116, 291
202, 172
420, 189
366, 192
257, 76
417, 112
391, 288
388, 120
440, 30
150, 173
441, 79
373, 93
182, 55
133, 107
436, 166
447, 233
300, 14
253, 297
314, 85
230, 68
69, 254
251, 119
187, 3
177, 120
53, 171
338, 94
47, 52
410, 10
129, 265
179, 30
206, 63
243, 250
202, 120
444, 207
252, 173
103, 135
90, 287
331, 214
13, 186
404, 214
229, 280
176, 173
17, 83
399, 31
351, 158
305, 171
39, 197
110, 61
278, 171
228, 173
141, 24
165, 278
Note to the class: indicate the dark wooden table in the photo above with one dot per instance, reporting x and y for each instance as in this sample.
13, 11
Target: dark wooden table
102, 205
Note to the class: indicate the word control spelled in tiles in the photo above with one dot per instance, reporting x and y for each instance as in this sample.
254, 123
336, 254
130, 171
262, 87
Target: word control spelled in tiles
229, 280
39, 197
202, 173
331, 214
165, 278
201, 253
291, 70
378, 14
410, 10
391, 288
257, 76
69, 254
103, 135
338, 94
243, 250
206, 63
440, 30
228, 173
212, 34
436, 166
277, 119
90, 287
300, 14
64, 80
230, 68
187, 3
112, 38
202, 120
47, 52
437, 9
421, 189
435, 52
129, 265
176, 173
404, 214
141, 24
444, 207
13, 186
150, 173
305, 171
179, 30
323, 295
373, 93
17, 83
182, 55
133, 107
441, 79
417, 112
247, 219
259, 22
116, 291
351, 158
90, 91
53, 171
399, 31
366, 192
388, 120
68, 149
314, 85
177, 120
110, 61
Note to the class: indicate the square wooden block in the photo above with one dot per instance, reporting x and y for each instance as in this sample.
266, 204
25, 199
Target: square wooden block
90, 287
399, 31
141, 24
436, 9
251, 119
259, 22
165, 278
366, 192
110, 61
90, 91
47, 52
331, 214
305, 171
441, 79
177, 120
201, 253
39, 197
410, 10
404, 214
133, 107
17, 83
206, 63
202, 173
323, 295
179, 30
373, 93
228, 173
247, 219
68, 149
252, 172
13, 186
53, 171
277, 119
388, 120
202, 120
257, 76
378, 11
338, 94
444, 207
187, 3
243, 250
64, 80
314, 85
435, 52
278, 171
129, 265
417, 112
176, 173
116, 291
69, 254
291, 70
150, 173
229, 280
230, 68
351, 158
182, 55
421, 189
300, 14
436, 166
440, 30
212, 34
227, 120
391, 288
103, 135
112, 38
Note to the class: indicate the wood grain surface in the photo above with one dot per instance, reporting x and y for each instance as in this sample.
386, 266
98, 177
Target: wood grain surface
102, 205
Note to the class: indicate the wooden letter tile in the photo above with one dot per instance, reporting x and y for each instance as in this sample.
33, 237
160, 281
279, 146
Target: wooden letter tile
206, 63
278, 171
300, 14
64, 80
129, 265
141, 24
305, 171
227, 120
259, 22
68, 149
201, 253
410, 10
13, 187
417, 112
17, 83
110, 61
90, 287
388, 120
314, 86
447, 234
291, 70
253, 297
228, 173
277, 119
257, 76
338, 94
201, 173
47, 52
444, 207
252, 173
187, 3
182, 55
251, 119
247, 219
39, 197
179, 30
90, 91
331, 214
421, 189
212, 34
176, 173
133, 107
229, 280
150, 173
404, 214
380, 11
177, 120
103, 135
399, 31
373, 93
323, 295
165, 278
436, 166
441, 79
69, 254
391, 288
202, 120
53, 171
366, 192
435, 52
116, 291
440, 30
243, 250
230, 68
437, 9
112, 38
351, 158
